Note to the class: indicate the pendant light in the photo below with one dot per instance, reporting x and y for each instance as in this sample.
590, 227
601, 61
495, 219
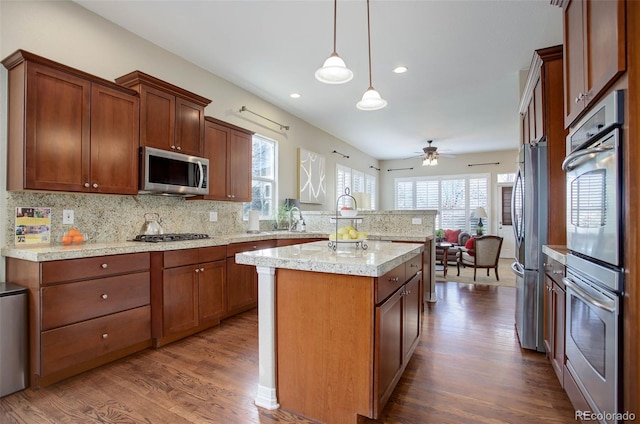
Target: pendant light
334, 70
371, 99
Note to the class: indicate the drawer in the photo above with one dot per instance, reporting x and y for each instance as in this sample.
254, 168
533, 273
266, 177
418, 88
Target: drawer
390, 282
234, 248
555, 270
75, 344
413, 265
212, 254
174, 258
74, 302
87, 268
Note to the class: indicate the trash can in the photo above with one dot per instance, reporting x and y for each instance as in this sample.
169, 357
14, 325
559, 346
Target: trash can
14, 346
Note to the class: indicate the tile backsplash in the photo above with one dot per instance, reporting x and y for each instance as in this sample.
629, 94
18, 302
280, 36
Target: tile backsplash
114, 218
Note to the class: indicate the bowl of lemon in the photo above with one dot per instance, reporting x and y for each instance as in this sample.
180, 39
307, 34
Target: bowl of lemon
348, 234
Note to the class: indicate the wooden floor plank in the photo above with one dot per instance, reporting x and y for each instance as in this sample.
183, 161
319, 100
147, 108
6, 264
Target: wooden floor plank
467, 368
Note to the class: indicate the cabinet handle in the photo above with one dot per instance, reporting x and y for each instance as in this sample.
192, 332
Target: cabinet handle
558, 272
95, 185
105, 335
201, 269
87, 185
197, 270
179, 148
104, 266
173, 147
413, 266
394, 279
104, 296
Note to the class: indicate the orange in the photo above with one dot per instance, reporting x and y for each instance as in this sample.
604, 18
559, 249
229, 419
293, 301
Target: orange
73, 232
66, 240
77, 239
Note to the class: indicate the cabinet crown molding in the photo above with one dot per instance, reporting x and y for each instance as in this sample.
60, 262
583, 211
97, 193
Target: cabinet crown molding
539, 57
135, 78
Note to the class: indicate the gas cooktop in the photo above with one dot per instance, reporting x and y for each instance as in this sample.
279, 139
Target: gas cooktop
170, 237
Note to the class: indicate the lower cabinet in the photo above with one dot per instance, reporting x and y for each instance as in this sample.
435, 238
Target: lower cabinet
84, 312
397, 335
188, 292
242, 280
554, 316
344, 341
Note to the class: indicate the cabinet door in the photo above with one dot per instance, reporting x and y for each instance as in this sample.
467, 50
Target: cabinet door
559, 332
239, 158
389, 353
215, 149
548, 324
57, 125
242, 287
211, 291
157, 118
189, 127
114, 142
605, 44
574, 58
180, 299
412, 316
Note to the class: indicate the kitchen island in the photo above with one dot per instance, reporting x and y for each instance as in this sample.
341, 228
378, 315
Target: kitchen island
336, 328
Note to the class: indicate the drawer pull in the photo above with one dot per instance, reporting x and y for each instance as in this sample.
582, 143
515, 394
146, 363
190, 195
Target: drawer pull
394, 279
104, 266
105, 335
104, 296
558, 272
413, 266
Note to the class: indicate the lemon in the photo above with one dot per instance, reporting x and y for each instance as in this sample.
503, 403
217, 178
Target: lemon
353, 234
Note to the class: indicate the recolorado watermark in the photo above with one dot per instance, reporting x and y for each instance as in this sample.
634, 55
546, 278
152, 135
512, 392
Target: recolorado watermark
605, 416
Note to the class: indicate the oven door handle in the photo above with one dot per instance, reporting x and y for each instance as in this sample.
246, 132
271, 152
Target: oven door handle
602, 303
567, 164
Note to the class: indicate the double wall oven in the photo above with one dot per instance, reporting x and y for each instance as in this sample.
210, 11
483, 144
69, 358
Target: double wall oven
594, 280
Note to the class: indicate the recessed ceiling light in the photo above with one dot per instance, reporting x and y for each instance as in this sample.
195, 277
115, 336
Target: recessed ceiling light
294, 95
400, 69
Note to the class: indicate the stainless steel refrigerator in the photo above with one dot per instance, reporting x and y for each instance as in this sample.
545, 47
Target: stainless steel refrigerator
529, 215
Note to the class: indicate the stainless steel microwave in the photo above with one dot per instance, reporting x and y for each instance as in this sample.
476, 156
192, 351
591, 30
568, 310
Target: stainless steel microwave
165, 172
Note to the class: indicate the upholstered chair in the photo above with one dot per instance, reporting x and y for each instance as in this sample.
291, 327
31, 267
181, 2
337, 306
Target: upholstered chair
485, 254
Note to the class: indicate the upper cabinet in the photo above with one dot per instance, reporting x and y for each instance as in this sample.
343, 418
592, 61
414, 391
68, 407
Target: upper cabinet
68, 130
171, 118
542, 119
594, 51
229, 150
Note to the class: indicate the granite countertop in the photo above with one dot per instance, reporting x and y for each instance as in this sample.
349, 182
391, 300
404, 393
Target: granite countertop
556, 252
379, 258
60, 252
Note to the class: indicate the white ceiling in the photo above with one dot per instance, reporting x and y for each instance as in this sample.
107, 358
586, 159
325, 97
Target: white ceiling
464, 59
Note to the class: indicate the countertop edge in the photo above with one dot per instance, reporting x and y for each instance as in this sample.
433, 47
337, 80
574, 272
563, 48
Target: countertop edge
46, 253
556, 252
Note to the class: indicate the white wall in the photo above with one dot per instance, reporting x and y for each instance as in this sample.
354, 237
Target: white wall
449, 166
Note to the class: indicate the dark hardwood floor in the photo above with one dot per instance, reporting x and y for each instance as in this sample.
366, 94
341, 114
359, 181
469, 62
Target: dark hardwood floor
468, 368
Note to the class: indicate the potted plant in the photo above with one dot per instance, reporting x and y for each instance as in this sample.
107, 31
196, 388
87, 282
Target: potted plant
439, 235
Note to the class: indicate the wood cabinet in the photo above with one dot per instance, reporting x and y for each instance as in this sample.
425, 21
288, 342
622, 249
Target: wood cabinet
293, 241
594, 51
398, 328
343, 341
554, 315
229, 150
68, 130
242, 280
188, 292
84, 312
171, 118
541, 112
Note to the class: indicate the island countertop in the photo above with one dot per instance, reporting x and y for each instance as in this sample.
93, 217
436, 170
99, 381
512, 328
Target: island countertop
379, 258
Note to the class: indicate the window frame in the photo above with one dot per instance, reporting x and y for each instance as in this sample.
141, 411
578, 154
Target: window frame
273, 180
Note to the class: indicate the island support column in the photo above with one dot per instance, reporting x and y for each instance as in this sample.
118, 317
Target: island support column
266, 397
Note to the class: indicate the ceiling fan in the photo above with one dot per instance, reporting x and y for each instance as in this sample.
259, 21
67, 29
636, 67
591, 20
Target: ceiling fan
431, 155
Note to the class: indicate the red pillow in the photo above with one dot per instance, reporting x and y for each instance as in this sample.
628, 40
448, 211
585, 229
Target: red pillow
470, 245
452, 235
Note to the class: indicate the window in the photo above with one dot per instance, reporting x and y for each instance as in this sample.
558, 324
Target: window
357, 182
455, 197
263, 182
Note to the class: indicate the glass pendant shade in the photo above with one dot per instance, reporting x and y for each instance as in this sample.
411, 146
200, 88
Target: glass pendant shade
334, 71
431, 160
371, 100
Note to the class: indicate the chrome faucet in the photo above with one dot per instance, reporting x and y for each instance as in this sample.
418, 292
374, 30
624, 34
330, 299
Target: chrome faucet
293, 222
